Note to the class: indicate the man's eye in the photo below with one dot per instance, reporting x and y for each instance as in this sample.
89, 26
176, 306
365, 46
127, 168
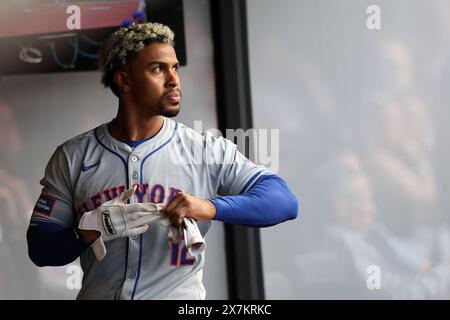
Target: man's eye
157, 69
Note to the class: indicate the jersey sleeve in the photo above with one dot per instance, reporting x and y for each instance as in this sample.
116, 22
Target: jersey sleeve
234, 172
55, 204
51, 236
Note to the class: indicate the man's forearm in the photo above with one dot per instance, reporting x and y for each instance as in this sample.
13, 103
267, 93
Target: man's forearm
268, 202
50, 244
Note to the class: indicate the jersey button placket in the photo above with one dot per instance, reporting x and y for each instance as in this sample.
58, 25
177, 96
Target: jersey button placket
134, 242
134, 169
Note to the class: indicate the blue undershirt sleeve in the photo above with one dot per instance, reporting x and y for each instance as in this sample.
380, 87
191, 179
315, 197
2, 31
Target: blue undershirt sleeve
268, 202
51, 244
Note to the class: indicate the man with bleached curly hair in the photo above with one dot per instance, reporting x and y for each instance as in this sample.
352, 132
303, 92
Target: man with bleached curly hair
134, 197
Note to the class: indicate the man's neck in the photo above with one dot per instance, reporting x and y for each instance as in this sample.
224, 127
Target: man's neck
128, 126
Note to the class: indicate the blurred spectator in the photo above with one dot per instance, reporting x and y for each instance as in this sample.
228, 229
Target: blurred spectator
353, 241
19, 279
396, 143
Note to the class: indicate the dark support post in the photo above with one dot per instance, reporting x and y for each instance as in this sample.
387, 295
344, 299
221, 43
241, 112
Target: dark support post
229, 23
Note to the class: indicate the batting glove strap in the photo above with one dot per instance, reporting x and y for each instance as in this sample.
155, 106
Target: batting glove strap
109, 220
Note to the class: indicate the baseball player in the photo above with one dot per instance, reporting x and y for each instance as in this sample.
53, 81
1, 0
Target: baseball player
103, 188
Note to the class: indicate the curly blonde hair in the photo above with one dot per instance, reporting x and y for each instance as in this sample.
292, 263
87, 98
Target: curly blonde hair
127, 42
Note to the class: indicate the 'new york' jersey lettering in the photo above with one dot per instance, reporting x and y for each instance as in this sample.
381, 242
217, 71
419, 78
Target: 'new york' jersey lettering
154, 194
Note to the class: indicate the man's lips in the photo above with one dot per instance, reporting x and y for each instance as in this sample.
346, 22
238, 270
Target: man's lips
173, 96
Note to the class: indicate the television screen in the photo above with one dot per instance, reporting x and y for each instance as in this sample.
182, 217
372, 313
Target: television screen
30, 17
39, 36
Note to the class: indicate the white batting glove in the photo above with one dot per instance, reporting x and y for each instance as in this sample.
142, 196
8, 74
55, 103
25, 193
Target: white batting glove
193, 238
116, 219
195, 243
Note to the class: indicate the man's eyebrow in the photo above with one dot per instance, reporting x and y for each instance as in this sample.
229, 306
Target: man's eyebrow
162, 63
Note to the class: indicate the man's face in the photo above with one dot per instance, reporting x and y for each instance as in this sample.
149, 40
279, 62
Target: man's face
154, 81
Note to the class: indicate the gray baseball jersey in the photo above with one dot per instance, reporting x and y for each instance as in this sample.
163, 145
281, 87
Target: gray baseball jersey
94, 167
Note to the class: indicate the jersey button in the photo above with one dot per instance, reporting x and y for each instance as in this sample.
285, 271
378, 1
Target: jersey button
134, 158
134, 237
134, 175
132, 275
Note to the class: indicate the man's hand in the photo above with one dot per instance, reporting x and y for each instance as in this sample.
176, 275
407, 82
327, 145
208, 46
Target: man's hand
186, 205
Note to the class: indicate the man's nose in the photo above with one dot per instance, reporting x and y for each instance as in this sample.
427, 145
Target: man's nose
172, 81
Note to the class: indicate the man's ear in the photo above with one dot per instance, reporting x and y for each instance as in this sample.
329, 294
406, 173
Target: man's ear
122, 81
